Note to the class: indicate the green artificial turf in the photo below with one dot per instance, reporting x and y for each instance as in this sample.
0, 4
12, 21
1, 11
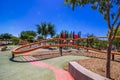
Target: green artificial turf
60, 62
25, 71
22, 71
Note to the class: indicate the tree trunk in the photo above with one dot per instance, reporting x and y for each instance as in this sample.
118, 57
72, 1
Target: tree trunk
6, 42
108, 59
45, 39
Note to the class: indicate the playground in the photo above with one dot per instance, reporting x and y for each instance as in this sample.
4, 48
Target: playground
48, 59
29, 65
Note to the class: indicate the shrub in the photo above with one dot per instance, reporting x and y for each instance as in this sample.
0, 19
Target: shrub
4, 48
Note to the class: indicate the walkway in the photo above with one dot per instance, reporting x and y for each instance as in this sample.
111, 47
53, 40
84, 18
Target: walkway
59, 74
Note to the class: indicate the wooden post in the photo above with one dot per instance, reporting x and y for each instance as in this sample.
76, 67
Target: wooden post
60, 50
13, 55
114, 49
113, 57
87, 45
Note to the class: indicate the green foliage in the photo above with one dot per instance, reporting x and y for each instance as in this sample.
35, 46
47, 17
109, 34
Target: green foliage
51, 29
0, 37
106, 8
4, 48
91, 41
46, 29
39, 37
100, 44
28, 35
56, 36
42, 29
118, 32
116, 42
15, 40
5, 36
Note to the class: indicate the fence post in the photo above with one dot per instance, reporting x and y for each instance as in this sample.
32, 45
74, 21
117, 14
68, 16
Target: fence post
13, 55
113, 57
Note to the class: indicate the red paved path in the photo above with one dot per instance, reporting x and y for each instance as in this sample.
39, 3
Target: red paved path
59, 74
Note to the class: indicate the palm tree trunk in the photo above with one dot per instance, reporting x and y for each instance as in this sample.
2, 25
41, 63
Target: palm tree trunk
45, 39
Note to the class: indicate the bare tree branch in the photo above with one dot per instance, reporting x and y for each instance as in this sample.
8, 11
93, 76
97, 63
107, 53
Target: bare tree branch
108, 14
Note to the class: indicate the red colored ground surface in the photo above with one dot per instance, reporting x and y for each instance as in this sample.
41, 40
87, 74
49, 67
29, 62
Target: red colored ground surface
59, 74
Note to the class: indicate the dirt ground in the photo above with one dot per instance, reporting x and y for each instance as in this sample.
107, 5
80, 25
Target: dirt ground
98, 66
96, 63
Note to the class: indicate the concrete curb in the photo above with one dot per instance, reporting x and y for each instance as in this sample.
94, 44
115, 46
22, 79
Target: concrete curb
81, 73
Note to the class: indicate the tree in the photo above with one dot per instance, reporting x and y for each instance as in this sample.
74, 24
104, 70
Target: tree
6, 36
57, 36
44, 29
39, 37
28, 35
105, 7
51, 29
0, 37
15, 40
90, 41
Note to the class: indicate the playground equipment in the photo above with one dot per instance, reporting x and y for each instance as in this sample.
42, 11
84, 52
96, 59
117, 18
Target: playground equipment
84, 43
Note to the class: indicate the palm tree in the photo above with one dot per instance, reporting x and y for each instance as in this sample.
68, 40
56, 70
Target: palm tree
44, 29
51, 29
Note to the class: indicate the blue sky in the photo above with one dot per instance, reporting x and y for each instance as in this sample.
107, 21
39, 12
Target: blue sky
19, 15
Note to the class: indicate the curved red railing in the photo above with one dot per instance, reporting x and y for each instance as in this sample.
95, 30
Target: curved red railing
48, 43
